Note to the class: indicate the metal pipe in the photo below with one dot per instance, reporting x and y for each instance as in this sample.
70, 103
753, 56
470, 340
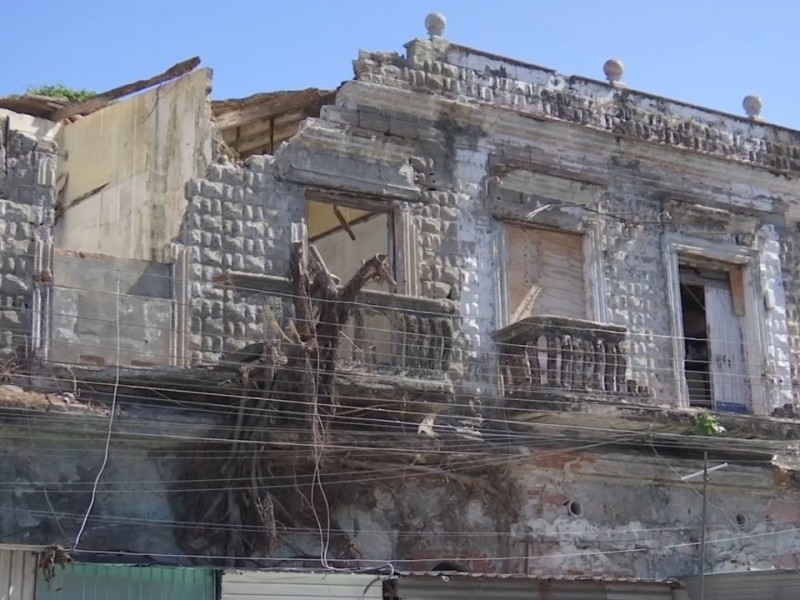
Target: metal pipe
703, 531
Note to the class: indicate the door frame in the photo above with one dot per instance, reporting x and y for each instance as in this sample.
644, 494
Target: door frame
726, 257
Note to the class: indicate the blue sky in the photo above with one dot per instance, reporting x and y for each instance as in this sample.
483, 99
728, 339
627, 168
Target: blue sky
708, 52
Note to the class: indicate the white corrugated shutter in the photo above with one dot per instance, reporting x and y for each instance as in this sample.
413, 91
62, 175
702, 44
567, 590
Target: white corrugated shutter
262, 585
17, 574
455, 587
545, 274
747, 585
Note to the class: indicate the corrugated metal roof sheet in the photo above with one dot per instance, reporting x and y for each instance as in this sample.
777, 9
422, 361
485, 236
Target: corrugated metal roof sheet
747, 585
454, 587
103, 582
294, 585
17, 574
521, 576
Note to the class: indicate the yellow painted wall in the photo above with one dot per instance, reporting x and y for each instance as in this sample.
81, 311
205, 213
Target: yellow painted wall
143, 149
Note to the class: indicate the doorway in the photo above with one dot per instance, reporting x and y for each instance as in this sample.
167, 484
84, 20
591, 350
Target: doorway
712, 311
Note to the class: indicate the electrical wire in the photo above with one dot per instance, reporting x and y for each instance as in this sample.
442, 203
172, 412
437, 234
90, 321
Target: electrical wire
106, 453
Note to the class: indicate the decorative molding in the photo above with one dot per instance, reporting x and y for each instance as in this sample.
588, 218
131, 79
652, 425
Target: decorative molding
406, 251
500, 258
39, 342
181, 314
594, 275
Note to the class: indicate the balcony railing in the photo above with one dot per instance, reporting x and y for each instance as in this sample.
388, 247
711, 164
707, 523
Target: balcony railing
546, 352
394, 330
384, 330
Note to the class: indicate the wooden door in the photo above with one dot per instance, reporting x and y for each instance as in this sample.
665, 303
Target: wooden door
729, 381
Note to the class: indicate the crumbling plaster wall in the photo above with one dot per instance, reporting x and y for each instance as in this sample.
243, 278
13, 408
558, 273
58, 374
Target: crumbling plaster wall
27, 199
439, 160
513, 520
529, 527
533, 118
50, 469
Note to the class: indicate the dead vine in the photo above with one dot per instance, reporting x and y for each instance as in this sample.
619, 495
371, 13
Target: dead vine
8, 370
299, 363
51, 557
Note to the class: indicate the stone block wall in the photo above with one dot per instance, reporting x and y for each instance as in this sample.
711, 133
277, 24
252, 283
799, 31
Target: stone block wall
27, 201
238, 218
636, 288
455, 237
661, 150
790, 263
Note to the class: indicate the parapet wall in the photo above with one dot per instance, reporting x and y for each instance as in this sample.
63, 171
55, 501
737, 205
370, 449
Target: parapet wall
475, 77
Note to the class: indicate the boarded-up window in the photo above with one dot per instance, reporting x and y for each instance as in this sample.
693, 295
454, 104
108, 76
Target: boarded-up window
545, 274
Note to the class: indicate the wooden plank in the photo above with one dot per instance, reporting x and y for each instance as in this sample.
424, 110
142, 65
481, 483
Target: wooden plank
272, 106
260, 128
95, 103
729, 381
737, 290
260, 144
271, 284
545, 273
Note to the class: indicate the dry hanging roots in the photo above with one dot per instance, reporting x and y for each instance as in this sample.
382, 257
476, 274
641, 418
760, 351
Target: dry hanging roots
302, 366
8, 368
49, 558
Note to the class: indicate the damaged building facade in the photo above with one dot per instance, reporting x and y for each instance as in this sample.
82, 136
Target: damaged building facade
461, 314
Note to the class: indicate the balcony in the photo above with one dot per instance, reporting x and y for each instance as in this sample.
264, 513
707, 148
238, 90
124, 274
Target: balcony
556, 354
390, 345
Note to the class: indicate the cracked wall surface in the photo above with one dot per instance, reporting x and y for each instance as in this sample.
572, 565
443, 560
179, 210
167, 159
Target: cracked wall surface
455, 145
544, 513
444, 136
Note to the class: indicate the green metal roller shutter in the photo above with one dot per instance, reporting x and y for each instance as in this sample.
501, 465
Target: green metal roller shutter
125, 582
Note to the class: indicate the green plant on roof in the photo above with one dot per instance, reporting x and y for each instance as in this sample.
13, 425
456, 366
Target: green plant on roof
707, 424
61, 92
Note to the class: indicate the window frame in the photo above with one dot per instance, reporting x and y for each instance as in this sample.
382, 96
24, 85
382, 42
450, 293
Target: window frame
403, 234
590, 231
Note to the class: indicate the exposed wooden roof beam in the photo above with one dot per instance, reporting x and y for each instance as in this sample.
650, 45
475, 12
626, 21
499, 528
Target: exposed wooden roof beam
271, 107
95, 103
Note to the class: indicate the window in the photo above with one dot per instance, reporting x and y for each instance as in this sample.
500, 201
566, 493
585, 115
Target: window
346, 237
545, 273
712, 310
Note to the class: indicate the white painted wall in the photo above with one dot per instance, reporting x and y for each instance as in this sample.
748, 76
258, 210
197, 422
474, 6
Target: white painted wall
34, 126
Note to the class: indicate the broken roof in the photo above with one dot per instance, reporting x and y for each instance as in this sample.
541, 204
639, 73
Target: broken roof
260, 123
254, 125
